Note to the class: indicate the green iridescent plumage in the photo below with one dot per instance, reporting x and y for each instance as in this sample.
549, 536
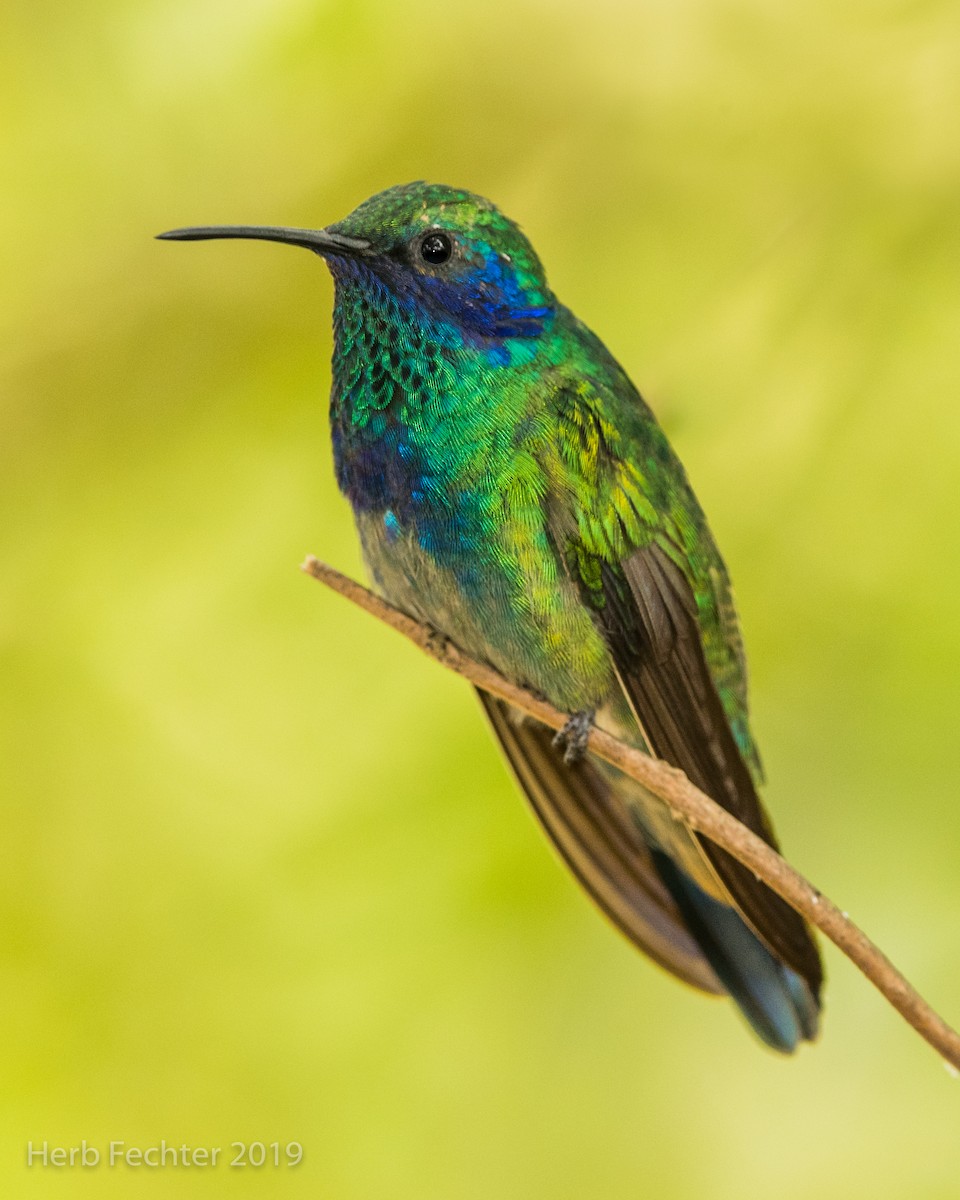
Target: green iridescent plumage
557, 417
512, 489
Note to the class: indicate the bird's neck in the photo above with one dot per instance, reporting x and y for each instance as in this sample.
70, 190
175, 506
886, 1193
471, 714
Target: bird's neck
387, 359
414, 395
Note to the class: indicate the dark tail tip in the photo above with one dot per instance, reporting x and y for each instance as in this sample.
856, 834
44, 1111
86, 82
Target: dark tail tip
779, 1005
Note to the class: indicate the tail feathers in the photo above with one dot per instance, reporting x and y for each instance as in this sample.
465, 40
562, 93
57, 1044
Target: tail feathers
591, 814
777, 1002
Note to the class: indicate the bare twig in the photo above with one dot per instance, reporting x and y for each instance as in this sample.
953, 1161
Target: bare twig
697, 809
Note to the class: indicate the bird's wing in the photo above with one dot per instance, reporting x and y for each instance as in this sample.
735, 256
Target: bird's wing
598, 839
634, 539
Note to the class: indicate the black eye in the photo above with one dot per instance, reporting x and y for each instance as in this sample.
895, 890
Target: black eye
436, 248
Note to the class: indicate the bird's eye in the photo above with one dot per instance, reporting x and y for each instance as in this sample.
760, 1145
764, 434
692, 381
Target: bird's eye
436, 248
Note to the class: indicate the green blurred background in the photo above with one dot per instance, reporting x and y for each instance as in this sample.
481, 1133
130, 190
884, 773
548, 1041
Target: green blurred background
264, 875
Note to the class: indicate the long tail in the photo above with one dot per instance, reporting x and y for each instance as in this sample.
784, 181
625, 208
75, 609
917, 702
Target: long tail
776, 1001
586, 813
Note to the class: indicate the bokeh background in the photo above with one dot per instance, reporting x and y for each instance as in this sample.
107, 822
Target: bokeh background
264, 876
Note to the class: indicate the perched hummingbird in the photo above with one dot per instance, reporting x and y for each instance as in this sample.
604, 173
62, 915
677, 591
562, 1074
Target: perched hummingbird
512, 490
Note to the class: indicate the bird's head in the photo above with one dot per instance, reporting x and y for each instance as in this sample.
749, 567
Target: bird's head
444, 253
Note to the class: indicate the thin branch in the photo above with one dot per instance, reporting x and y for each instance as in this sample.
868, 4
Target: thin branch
696, 808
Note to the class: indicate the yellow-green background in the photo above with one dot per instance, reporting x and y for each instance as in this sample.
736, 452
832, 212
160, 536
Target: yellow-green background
264, 876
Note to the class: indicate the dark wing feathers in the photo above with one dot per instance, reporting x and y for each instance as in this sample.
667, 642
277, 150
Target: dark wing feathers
651, 626
595, 835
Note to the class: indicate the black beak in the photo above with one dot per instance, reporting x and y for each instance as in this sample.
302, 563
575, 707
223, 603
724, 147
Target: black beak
318, 240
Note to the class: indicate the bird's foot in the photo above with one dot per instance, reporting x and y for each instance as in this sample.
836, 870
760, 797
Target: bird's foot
574, 735
437, 644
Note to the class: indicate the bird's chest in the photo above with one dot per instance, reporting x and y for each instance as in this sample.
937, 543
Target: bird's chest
432, 496
453, 523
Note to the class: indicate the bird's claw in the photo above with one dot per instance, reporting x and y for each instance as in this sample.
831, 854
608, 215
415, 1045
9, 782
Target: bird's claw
573, 737
437, 643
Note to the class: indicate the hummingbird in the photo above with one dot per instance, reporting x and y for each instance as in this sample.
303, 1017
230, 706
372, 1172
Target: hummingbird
512, 490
